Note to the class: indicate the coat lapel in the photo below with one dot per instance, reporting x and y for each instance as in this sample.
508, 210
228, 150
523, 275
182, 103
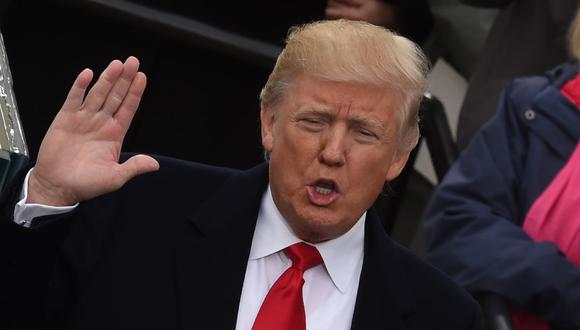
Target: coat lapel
384, 298
212, 264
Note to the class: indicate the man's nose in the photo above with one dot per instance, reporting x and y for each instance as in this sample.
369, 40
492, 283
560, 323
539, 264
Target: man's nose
333, 149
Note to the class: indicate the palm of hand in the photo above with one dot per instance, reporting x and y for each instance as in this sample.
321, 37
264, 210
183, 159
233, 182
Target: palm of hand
79, 156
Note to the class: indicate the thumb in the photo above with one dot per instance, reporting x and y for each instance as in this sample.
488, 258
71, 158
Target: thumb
136, 165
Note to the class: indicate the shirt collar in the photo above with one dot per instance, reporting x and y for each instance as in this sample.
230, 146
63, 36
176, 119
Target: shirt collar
341, 255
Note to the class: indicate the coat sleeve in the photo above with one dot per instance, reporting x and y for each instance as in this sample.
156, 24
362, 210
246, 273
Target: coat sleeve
34, 264
473, 226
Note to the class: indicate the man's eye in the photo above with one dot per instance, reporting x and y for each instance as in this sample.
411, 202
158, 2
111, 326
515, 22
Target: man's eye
312, 123
312, 120
366, 135
365, 132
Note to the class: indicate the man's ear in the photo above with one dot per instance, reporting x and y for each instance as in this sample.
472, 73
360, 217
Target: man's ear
267, 126
397, 165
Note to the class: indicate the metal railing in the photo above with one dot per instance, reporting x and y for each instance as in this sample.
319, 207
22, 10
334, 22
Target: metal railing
185, 29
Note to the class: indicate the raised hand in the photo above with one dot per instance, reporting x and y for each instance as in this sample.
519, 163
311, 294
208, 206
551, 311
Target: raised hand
79, 156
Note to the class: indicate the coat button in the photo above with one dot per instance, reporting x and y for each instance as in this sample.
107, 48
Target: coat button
530, 114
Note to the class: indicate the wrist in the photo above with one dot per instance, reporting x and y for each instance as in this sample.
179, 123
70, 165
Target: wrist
42, 192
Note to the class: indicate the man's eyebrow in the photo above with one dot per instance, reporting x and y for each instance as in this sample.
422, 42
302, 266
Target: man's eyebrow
327, 113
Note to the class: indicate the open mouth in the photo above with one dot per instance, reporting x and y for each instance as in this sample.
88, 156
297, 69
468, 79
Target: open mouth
323, 192
324, 187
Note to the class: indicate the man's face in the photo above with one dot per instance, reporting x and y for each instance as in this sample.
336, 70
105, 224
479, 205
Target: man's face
332, 146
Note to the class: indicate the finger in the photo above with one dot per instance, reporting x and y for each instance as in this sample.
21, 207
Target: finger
100, 90
136, 165
76, 94
131, 102
334, 6
345, 3
331, 3
343, 12
121, 87
353, 3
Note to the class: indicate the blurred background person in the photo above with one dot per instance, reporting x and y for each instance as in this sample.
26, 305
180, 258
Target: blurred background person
505, 219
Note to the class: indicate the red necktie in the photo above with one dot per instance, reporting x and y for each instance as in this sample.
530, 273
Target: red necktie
283, 307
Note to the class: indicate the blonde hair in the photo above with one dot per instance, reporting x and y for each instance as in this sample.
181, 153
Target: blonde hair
574, 36
353, 51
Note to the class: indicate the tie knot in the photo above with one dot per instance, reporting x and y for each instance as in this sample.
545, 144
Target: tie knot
303, 256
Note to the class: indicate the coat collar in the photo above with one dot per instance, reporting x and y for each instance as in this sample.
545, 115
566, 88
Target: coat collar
211, 266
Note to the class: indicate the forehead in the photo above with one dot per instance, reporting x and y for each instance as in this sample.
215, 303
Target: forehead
354, 99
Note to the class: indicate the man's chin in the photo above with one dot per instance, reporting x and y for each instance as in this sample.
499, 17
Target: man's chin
318, 228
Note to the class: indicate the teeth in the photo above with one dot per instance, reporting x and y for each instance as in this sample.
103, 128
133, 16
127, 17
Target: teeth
323, 191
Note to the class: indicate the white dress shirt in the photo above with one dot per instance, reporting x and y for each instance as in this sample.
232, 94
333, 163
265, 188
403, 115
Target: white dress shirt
329, 291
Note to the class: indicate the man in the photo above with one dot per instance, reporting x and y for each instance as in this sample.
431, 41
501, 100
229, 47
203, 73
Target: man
192, 246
